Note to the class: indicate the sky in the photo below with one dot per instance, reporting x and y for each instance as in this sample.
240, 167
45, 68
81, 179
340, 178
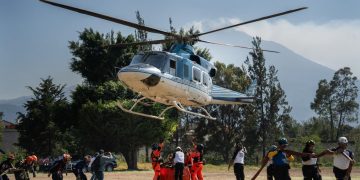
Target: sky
34, 36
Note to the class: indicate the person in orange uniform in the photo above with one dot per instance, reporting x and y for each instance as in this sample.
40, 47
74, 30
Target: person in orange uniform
155, 159
30, 162
197, 158
188, 158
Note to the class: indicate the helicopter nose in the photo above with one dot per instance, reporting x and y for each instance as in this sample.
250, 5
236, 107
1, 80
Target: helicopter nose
139, 75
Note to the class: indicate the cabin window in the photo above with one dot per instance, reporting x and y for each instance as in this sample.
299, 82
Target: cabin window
205, 79
197, 75
186, 71
172, 67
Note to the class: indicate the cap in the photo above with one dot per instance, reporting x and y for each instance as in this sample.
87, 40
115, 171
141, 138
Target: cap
310, 142
343, 140
283, 141
178, 148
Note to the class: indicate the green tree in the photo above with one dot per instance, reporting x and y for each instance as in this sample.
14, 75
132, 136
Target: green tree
346, 93
272, 112
324, 104
227, 129
95, 59
45, 113
101, 124
336, 101
141, 35
202, 52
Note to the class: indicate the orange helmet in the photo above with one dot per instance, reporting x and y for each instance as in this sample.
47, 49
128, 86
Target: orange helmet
34, 158
29, 159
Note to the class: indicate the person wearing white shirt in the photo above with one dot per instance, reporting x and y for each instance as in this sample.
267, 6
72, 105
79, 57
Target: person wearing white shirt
310, 168
343, 159
238, 161
179, 163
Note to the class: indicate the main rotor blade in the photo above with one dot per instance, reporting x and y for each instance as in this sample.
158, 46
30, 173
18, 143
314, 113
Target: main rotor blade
112, 19
244, 47
251, 21
142, 43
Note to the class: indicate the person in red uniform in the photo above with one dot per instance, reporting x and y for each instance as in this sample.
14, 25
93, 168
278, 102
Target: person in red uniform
155, 160
30, 162
188, 158
197, 158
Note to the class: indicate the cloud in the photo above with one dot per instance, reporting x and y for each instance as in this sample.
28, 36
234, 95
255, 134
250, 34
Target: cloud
334, 44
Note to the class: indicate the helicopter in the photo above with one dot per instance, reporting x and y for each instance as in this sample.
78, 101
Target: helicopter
177, 78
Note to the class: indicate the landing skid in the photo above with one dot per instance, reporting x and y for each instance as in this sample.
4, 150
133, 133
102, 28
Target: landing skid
176, 105
179, 107
160, 116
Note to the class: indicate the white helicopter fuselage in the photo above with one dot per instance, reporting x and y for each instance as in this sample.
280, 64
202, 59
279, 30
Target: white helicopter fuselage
164, 86
178, 81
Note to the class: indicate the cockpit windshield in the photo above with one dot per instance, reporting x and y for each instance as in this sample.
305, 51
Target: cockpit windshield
157, 60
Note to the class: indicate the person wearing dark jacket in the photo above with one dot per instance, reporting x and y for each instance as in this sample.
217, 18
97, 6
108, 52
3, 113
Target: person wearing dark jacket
98, 165
7, 166
59, 166
80, 166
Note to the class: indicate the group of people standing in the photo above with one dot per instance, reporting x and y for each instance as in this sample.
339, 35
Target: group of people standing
21, 169
278, 157
191, 159
96, 164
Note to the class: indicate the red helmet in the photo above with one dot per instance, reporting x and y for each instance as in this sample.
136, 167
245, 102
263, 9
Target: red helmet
34, 158
29, 159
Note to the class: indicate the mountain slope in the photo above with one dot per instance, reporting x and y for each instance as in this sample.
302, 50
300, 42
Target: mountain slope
11, 107
298, 75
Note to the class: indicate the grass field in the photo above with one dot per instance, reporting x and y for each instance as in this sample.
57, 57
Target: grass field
211, 172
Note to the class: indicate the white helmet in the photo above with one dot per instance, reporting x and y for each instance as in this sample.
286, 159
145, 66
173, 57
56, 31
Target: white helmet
343, 140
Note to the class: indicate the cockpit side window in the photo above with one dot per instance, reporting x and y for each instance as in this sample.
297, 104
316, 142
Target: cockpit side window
156, 60
139, 58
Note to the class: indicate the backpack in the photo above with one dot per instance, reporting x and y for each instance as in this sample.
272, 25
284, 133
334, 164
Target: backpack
95, 166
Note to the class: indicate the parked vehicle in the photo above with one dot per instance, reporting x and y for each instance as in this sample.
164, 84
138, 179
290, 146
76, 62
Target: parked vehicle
110, 164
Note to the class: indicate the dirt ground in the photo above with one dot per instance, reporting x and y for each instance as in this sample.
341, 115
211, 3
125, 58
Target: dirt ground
220, 175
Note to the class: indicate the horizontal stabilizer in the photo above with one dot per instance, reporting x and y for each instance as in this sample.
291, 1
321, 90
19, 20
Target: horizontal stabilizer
222, 95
